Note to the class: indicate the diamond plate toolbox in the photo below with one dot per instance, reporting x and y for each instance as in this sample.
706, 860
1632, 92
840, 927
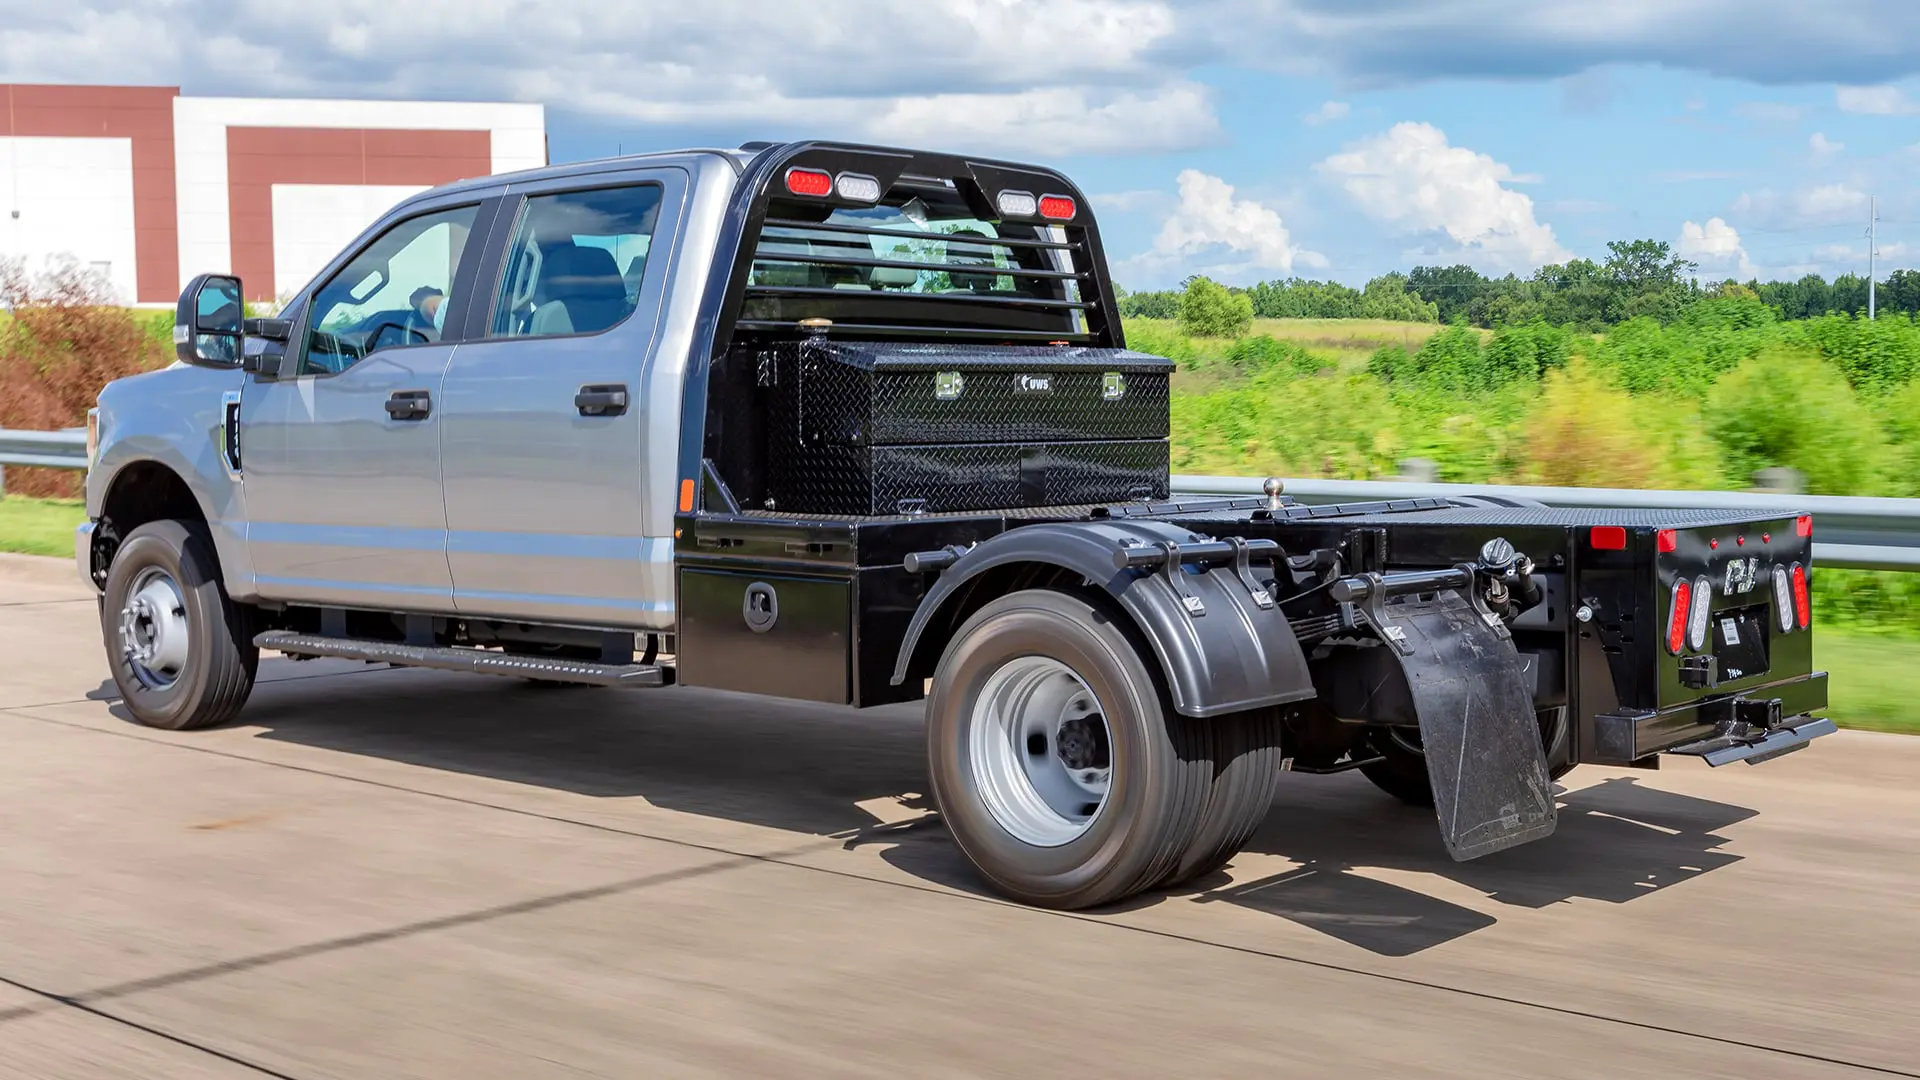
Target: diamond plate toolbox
870, 427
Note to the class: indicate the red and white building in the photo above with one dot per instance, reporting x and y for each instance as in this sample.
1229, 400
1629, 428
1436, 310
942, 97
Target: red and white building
151, 187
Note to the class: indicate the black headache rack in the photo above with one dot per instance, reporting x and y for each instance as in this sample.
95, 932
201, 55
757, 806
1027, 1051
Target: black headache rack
918, 245
903, 331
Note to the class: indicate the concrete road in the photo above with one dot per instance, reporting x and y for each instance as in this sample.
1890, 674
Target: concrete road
403, 874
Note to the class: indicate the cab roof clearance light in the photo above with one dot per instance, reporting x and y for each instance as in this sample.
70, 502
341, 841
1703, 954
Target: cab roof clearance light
811, 182
1016, 204
857, 187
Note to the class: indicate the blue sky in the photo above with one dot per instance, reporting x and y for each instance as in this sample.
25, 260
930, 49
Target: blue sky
1247, 139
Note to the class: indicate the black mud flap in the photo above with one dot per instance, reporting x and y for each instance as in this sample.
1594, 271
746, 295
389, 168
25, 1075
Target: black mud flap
1475, 706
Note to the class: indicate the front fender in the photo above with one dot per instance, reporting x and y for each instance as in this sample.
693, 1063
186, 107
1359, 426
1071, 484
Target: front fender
175, 417
1233, 656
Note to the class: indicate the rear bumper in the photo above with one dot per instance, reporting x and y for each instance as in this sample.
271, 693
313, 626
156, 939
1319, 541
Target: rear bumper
83, 552
1711, 725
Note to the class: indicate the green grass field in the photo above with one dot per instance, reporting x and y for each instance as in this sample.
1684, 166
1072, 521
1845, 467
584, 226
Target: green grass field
39, 526
1875, 684
1875, 680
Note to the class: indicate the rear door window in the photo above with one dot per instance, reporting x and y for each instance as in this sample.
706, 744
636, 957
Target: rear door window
576, 262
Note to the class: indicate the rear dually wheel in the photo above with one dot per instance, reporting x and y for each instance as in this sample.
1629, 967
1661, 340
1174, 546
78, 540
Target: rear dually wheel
1058, 764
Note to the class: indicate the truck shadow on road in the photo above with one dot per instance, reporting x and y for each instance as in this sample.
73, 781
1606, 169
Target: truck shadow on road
829, 771
1617, 840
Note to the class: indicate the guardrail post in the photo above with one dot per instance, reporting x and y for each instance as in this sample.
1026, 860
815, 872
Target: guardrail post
1782, 480
1419, 470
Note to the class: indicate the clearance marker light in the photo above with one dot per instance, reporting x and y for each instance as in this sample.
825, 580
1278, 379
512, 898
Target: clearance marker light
809, 182
1609, 538
1017, 204
1056, 207
855, 187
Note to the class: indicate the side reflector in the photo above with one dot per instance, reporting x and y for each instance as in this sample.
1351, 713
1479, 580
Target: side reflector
1056, 207
855, 187
809, 182
1668, 539
1697, 622
1803, 525
686, 496
1017, 204
1609, 538
1677, 617
1783, 598
1802, 603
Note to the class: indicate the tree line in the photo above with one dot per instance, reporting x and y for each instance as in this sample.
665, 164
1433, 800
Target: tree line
1638, 278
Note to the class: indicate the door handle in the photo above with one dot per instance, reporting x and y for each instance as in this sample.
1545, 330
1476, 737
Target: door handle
410, 405
601, 400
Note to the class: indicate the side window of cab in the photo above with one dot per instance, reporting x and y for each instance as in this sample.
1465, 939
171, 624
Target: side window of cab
396, 292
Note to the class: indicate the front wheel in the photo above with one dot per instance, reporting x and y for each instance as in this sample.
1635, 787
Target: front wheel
1057, 762
182, 653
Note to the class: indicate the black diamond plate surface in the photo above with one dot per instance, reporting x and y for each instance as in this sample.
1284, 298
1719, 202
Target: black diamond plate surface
972, 476
880, 394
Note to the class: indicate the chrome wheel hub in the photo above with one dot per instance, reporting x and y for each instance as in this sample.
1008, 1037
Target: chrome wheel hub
153, 629
1041, 751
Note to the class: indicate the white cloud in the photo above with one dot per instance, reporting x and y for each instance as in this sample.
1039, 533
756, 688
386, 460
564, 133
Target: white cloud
1410, 178
1212, 232
1716, 246
1823, 147
1827, 204
1874, 101
1059, 76
1328, 112
1058, 120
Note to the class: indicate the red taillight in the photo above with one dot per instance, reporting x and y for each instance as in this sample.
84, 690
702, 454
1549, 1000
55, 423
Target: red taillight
1802, 603
1668, 539
809, 182
1677, 617
1056, 207
1803, 525
1609, 538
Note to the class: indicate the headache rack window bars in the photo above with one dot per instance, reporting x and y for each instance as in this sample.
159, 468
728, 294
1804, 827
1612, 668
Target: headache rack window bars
946, 278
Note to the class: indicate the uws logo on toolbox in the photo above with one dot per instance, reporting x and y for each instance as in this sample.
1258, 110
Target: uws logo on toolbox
1033, 384
1743, 576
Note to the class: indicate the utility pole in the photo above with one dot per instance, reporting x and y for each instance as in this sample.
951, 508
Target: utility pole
1873, 218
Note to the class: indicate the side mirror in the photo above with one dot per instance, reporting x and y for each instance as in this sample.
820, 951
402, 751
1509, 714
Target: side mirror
265, 345
209, 322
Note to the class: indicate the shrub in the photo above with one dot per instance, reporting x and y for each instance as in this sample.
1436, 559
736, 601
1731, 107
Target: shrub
1264, 353
1525, 352
1209, 309
1793, 408
1583, 434
64, 341
1452, 360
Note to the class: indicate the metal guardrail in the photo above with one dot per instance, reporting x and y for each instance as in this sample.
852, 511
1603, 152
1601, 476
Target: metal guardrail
47, 449
1850, 532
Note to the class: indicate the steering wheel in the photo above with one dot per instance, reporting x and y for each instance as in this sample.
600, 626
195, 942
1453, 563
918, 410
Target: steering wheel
373, 341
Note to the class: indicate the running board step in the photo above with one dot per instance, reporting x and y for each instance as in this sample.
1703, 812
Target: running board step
480, 661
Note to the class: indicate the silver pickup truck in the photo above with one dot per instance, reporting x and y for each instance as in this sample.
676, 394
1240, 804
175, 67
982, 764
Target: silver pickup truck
858, 425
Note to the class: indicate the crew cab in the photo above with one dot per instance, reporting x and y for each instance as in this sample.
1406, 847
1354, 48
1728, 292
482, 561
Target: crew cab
859, 425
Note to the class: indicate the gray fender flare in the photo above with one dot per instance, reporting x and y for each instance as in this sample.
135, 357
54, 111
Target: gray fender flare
1234, 656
